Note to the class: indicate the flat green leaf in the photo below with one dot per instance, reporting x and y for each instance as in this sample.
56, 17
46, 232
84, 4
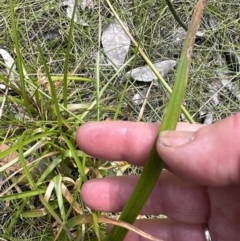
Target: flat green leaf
57, 180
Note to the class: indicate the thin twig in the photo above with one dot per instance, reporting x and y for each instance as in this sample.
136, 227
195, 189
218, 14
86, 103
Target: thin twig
144, 103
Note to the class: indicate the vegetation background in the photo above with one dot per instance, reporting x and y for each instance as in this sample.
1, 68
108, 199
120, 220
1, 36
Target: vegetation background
39, 122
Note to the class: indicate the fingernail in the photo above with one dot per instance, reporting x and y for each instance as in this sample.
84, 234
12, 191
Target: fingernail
175, 138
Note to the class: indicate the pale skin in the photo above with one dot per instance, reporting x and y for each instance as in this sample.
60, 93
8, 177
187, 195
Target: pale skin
201, 183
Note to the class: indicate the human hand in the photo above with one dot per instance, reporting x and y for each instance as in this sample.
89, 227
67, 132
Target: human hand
201, 184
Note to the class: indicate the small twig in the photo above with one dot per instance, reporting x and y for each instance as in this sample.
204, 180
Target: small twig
144, 103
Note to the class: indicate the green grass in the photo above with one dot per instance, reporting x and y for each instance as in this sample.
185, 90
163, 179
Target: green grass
41, 119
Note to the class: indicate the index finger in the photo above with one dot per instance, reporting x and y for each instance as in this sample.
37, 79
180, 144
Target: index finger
121, 140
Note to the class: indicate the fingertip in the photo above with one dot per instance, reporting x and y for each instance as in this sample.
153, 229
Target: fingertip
82, 131
103, 194
90, 194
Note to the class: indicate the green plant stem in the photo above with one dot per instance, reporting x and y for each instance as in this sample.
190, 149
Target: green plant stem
154, 163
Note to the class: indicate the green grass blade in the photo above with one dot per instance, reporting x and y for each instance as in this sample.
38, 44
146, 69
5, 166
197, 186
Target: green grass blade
31, 150
65, 69
22, 195
19, 58
50, 98
98, 65
175, 15
76, 158
154, 163
53, 214
23, 162
57, 180
72, 77
49, 170
28, 76
36, 213
15, 218
75, 196
120, 102
53, 91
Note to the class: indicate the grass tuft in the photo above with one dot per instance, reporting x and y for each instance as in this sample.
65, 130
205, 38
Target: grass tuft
67, 82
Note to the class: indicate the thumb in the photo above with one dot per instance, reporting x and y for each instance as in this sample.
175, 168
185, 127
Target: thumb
208, 156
